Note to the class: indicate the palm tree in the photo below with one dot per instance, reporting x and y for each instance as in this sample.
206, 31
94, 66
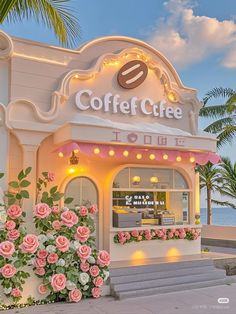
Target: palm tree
55, 14
209, 179
228, 187
225, 114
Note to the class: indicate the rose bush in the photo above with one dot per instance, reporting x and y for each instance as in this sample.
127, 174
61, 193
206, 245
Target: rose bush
155, 234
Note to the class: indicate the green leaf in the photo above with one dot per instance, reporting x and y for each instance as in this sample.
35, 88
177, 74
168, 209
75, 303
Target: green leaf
28, 170
18, 196
17, 264
14, 184
21, 175
60, 270
57, 196
9, 195
11, 201
53, 189
68, 200
1, 175
24, 194
45, 174
24, 184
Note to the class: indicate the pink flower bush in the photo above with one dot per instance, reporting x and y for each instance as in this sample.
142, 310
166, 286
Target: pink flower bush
52, 258
42, 289
62, 243
30, 244
96, 292
103, 258
13, 235
10, 225
42, 253
69, 218
156, 234
98, 281
7, 249
93, 209
56, 224
42, 210
94, 270
58, 282
50, 177
39, 262
84, 252
82, 234
83, 211
8, 271
75, 295
16, 293
84, 267
14, 211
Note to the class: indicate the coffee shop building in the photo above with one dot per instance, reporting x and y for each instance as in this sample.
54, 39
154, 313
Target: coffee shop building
117, 126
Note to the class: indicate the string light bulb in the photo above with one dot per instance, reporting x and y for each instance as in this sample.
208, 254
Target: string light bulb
178, 158
152, 156
154, 180
111, 153
125, 153
136, 180
76, 151
60, 154
96, 151
165, 156
76, 76
192, 159
139, 156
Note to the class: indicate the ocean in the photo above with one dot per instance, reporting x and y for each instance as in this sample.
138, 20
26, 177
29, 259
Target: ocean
224, 216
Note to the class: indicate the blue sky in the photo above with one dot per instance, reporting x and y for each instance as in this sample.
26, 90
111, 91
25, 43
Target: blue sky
198, 36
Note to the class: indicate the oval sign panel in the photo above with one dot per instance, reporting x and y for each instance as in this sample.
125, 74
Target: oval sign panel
132, 74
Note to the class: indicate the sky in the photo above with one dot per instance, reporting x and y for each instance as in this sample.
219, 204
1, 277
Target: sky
197, 36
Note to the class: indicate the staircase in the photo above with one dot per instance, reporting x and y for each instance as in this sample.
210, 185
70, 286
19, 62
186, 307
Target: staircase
146, 280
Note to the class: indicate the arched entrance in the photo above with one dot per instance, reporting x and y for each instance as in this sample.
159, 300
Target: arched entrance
84, 192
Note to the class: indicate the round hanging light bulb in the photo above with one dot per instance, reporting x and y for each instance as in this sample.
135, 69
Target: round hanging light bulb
165, 156
139, 156
192, 159
154, 180
96, 151
60, 154
111, 153
178, 158
76, 76
76, 151
71, 170
136, 179
125, 153
152, 156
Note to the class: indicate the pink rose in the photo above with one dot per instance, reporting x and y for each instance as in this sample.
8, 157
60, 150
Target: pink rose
30, 244
176, 233
69, 218
182, 235
98, 282
170, 235
148, 236
39, 262
83, 211
8, 271
94, 270
62, 244
75, 295
16, 293
134, 233
127, 235
13, 234
187, 229
84, 267
93, 209
58, 282
103, 258
7, 249
42, 289
50, 177
42, 253
140, 238
10, 225
55, 209
164, 237
40, 271
84, 252
42, 210
52, 258
82, 234
96, 292
14, 211
56, 224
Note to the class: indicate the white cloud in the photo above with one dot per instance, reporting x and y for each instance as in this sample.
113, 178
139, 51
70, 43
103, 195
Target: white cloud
187, 39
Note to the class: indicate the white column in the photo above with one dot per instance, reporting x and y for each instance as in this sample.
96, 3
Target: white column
3, 156
30, 160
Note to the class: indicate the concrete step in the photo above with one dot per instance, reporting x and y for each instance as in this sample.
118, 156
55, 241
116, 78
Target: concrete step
160, 274
164, 282
134, 270
173, 288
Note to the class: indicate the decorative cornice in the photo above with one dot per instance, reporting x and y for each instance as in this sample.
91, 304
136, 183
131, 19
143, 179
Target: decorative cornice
6, 46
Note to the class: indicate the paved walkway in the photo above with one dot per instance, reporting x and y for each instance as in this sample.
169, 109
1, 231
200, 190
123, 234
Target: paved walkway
199, 301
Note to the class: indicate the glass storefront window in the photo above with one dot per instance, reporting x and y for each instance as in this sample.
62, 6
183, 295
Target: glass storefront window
146, 196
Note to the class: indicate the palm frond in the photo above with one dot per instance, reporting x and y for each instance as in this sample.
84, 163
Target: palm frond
5, 8
218, 92
214, 111
219, 124
55, 14
231, 104
227, 135
224, 203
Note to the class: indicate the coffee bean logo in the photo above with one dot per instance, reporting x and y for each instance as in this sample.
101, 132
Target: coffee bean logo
132, 74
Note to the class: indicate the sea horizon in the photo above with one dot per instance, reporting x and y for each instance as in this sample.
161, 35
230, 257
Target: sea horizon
222, 216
